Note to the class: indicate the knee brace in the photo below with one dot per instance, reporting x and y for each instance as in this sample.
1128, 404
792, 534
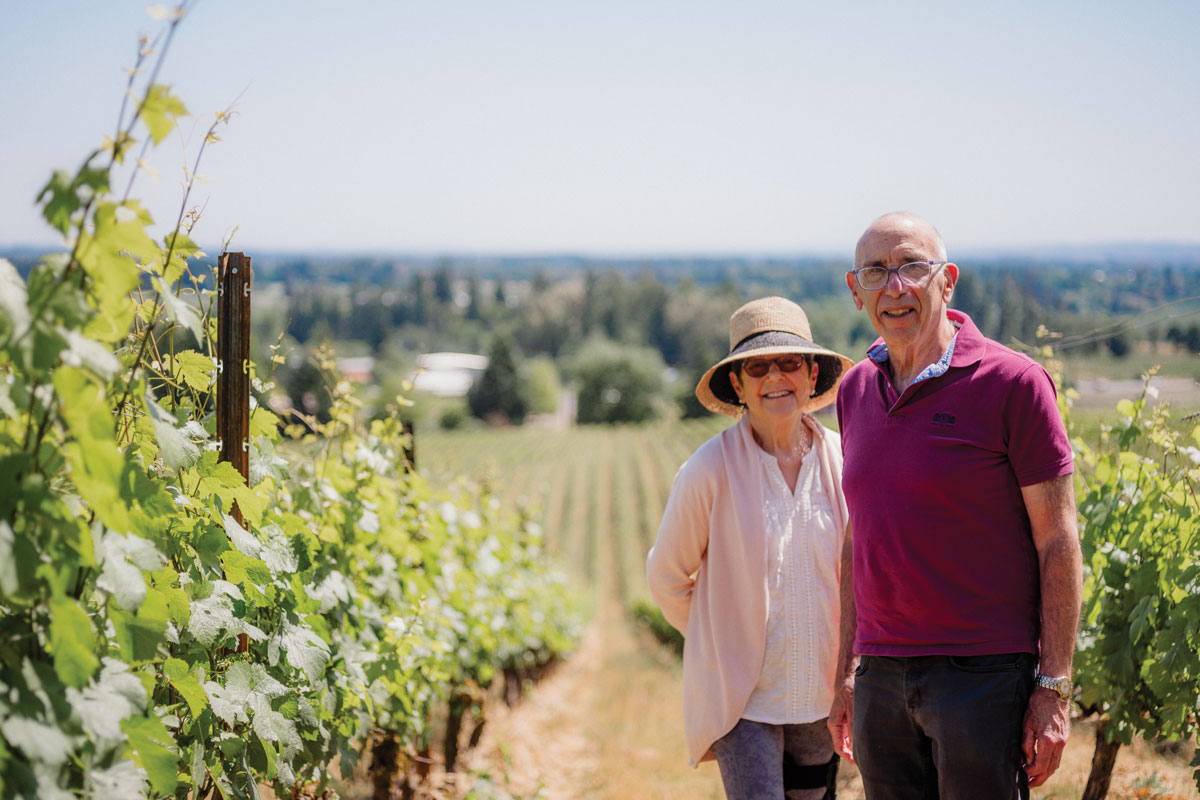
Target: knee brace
810, 776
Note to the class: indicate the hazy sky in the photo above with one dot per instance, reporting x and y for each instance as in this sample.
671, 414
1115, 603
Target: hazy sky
623, 126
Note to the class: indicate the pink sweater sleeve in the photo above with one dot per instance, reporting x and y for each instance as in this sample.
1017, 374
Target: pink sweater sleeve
682, 541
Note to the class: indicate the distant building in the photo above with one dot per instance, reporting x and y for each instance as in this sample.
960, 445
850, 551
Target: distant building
448, 374
356, 370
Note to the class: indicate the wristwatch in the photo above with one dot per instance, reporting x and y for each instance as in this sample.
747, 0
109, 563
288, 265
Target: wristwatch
1061, 686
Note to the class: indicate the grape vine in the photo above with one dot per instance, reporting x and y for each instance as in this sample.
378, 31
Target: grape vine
368, 598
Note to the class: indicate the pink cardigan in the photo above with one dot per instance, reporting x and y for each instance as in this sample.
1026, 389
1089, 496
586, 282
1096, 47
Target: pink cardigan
708, 573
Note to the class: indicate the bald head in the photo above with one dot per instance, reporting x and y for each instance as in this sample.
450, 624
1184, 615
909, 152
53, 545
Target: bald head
901, 226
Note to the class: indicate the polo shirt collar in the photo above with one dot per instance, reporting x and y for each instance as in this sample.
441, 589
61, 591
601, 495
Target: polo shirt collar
966, 347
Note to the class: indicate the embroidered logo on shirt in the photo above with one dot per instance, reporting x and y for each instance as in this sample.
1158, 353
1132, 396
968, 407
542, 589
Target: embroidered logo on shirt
943, 419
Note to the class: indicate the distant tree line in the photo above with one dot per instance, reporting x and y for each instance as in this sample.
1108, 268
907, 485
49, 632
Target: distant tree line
666, 316
613, 331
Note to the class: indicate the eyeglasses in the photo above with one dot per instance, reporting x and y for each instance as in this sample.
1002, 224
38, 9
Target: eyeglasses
914, 273
758, 367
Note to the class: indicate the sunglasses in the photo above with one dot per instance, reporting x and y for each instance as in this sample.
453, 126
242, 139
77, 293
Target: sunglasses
758, 367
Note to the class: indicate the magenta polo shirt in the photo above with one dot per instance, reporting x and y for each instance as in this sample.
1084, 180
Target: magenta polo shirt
944, 561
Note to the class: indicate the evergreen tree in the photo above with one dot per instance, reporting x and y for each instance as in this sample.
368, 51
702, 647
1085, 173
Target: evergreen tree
501, 393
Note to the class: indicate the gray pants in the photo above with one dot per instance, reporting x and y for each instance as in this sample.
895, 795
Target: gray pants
751, 758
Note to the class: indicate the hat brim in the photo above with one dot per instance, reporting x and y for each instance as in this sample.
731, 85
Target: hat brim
715, 392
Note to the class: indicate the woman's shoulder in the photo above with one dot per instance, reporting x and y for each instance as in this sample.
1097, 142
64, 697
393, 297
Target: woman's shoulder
834, 438
712, 453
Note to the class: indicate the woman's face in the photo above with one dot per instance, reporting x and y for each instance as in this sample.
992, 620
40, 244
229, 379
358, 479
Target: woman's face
777, 394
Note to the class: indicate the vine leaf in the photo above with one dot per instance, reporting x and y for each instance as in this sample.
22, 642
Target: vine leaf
213, 614
180, 675
14, 304
180, 311
80, 351
160, 111
195, 369
105, 703
37, 740
247, 687
303, 648
72, 640
62, 194
176, 449
121, 781
153, 751
124, 558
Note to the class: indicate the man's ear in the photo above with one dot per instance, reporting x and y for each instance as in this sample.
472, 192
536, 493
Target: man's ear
852, 285
951, 273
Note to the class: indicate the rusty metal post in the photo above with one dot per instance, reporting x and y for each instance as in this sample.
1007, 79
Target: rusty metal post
233, 352
410, 444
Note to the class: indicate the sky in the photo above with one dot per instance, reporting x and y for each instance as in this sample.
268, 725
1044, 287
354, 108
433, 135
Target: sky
628, 127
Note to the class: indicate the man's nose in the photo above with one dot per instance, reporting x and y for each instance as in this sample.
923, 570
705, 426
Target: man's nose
895, 286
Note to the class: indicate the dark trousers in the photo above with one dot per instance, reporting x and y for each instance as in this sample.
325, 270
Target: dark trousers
942, 727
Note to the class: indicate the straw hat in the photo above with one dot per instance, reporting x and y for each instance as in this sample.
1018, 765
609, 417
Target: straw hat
771, 326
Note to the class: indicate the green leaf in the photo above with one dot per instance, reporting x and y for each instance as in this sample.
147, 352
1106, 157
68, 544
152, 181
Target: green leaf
48, 744
80, 351
121, 781
19, 561
183, 681
112, 320
153, 748
181, 248
249, 573
251, 503
14, 303
61, 194
179, 311
111, 253
73, 642
216, 475
139, 635
166, 583
160, 110
176, 449
196, 369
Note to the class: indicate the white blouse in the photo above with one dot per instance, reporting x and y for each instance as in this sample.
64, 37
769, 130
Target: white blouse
804, 546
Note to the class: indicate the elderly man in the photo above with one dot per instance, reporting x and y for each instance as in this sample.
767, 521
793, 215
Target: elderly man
956, 642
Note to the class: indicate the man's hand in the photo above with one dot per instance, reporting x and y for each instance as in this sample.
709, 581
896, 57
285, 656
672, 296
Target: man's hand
1047, 726
841, 720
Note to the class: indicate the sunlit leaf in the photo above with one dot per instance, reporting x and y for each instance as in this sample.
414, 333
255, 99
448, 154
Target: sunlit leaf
303, 649
174, 445
80, 351
196, 369
73, 642
160, 111
14, 308
102, 705
153, 751
246, 686
121, 781
180, 675
179, 311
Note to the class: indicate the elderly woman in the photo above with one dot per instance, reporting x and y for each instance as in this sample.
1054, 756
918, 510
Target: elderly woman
746, 564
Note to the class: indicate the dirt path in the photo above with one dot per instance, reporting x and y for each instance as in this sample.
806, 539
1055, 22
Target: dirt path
605, 725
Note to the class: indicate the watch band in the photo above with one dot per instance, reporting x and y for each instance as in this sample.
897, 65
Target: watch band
1060, 685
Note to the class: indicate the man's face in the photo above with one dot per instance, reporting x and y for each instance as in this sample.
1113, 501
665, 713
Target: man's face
905, 316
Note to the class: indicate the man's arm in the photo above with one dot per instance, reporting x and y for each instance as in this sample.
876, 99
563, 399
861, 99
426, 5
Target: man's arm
841, 714
1052, 514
